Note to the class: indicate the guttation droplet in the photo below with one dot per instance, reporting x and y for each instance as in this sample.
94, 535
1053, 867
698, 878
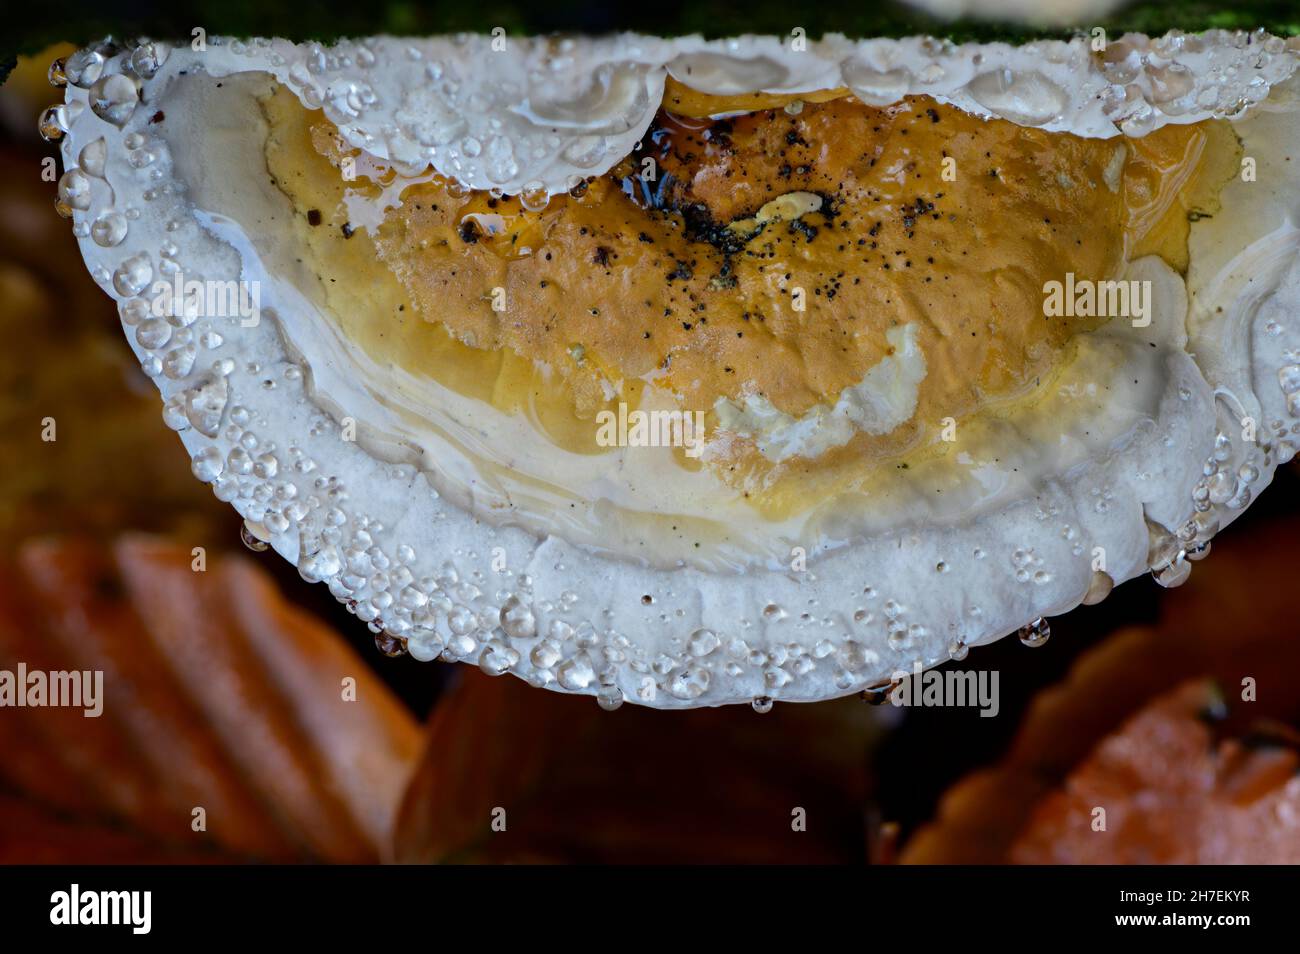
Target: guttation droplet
83, 67
133, 276
250, 540
1027, 98
878, 694
876, 87
1036, 633
53, 124
113, 98
390, 645
58, 74
1174, 573
517, 619
207, 464
74, 189
109, 229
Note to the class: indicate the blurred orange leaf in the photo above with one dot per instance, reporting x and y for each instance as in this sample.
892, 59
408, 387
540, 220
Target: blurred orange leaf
578, 784
217, 694
1172, 795
66, 365
1234, 618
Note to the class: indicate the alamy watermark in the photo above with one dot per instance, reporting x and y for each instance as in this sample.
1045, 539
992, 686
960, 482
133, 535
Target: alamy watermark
207, 299
658, 428
129, 908
35, 688
948, 688
1084, 298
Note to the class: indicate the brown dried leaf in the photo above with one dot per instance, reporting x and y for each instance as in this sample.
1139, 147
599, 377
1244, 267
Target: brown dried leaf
113, 463
216, 694
1234, 618
579, 784
1171, 795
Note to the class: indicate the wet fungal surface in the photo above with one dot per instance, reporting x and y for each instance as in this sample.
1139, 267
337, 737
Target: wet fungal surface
435, 317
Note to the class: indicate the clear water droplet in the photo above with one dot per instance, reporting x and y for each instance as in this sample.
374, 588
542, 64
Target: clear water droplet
517, 619
317, 564
133, 275
93, 157
576, 673
703, 642
114, 98
499, 163
390, 645
84, 67
1035, 634
147, 58
879, 694
612, 102
1174, 573
74, 190
251, 540
534, 197
876, 87
207, 464
689, 683
108, 230
57, 74
53, 124
1028, 98
497, 660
